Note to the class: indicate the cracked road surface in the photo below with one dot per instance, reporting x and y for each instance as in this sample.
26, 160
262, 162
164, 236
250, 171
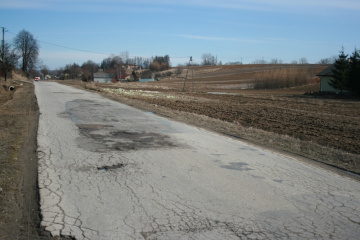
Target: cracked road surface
108, 171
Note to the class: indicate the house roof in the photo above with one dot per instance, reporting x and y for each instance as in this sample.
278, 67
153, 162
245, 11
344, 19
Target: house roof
327, 71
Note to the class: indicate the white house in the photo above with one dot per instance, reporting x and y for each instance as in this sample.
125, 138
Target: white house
103, 77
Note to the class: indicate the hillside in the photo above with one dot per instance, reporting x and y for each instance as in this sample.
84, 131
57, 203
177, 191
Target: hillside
237, 77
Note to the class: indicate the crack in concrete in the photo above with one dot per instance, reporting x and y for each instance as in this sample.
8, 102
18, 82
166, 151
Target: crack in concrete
105, 190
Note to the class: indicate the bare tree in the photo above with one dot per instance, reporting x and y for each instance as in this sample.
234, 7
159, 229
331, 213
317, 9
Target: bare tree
303, 60
90, 66
72, 71
329, 60
259, 61
178, 71
8, 59
208, 59
28, 48
276, 61
125, 56
44, 70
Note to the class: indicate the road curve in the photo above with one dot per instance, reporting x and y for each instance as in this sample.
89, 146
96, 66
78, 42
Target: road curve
108, 171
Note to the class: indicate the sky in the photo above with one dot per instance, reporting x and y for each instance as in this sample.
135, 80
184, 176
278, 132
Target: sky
74, 31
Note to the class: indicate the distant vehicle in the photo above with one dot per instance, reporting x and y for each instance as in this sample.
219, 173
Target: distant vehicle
37, 78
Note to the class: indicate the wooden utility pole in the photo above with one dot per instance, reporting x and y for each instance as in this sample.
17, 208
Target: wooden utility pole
183, 89
3, 44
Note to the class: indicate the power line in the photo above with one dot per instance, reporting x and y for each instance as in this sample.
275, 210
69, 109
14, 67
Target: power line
76, 49
88, 51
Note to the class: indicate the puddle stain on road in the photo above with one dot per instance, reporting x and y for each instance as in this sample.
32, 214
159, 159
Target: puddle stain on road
99, 137
103, 139
238, 166
112, 167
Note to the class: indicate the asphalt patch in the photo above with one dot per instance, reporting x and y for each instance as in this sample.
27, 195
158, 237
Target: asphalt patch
238, 166
112, 167
102, 138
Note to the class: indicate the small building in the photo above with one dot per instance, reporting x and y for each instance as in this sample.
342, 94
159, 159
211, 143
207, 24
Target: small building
325, 77
132, 67
103, 77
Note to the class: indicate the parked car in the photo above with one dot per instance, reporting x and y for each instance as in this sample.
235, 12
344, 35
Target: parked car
37, 78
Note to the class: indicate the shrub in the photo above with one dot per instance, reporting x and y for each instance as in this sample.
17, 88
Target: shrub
156, 66
147, 74
167, 74
282, 78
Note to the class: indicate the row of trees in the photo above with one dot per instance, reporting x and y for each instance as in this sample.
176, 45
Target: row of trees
123, 59
160, 63
115, 64
346, 72
302, 60
74, 70
209, 59
25, 48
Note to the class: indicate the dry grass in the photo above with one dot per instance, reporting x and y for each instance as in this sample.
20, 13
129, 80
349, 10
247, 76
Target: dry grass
284, 78
5, 95
92, 86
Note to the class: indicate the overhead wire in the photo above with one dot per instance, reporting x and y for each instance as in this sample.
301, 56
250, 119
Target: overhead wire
76, 49
82, 50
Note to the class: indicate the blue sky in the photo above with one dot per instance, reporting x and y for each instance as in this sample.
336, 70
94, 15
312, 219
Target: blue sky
232, 30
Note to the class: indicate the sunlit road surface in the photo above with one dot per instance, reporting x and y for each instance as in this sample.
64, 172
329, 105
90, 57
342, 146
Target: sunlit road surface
108, 171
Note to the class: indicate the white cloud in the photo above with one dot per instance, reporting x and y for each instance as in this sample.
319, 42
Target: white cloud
318, 5
261, 40
210, 38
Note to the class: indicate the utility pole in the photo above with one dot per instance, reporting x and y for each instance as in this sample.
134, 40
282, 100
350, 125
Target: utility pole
3, 44
192, 77
183, 89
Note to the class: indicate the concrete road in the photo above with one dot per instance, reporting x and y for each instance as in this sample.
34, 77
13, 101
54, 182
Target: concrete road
108, 171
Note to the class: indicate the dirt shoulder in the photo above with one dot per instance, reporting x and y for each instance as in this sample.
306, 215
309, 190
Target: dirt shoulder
19, 200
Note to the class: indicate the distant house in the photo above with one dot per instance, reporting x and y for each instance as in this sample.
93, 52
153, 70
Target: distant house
103, 77
325, 77
132, 67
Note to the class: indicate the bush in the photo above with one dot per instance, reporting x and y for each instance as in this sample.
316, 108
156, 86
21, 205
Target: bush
282, 78
84, 78
156, 66
147, 74
178, 71
167, 74
158, 75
